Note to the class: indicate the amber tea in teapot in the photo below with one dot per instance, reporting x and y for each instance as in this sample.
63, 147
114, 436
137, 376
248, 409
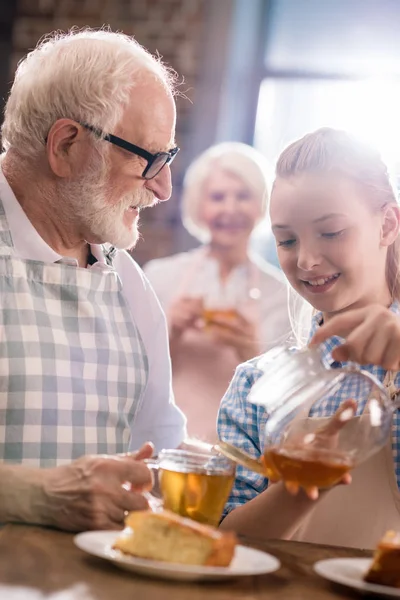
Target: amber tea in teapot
322, 422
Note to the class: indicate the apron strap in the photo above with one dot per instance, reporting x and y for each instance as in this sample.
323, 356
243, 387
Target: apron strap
390, 384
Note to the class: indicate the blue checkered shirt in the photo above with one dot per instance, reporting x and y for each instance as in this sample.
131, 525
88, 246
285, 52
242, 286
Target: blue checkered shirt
242, 423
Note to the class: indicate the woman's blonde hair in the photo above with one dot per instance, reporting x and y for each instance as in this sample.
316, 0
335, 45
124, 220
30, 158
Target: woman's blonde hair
239, 159
334, 151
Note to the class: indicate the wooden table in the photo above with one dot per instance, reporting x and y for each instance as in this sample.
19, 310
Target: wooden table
47, 561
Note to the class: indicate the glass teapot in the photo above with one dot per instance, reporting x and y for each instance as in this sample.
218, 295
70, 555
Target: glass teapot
322, 422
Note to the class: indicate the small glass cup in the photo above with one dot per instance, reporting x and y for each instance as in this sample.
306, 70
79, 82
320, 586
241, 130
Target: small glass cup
219, 304
211, 314
195, 485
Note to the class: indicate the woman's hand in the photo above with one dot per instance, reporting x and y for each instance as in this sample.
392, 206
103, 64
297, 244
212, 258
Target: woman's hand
184, 313
237, 332
372, 336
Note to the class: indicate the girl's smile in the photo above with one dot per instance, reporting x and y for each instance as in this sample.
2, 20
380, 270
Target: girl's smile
329, 240
321, 283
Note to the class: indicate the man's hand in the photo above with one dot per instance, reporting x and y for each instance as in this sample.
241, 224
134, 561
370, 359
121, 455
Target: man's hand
89, 493
237, 332
372, 336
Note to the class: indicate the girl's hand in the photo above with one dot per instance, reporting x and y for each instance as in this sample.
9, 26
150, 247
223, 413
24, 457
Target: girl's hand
237, 332
313, 492
372, 336
324, 438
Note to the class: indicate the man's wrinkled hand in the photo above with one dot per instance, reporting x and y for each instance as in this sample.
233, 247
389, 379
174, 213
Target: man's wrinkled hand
90, 492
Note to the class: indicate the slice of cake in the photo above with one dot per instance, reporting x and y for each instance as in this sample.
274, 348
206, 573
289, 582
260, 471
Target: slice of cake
385, 568
165, 536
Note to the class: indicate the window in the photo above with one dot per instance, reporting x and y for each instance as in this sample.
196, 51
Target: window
332, 63
289, 108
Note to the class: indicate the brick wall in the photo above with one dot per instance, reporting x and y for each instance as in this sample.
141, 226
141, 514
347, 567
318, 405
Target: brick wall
175, 29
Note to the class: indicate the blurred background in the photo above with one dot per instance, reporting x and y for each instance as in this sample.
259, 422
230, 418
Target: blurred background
259, 71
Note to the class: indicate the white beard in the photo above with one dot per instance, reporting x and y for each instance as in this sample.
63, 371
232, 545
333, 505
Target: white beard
102, 222
107, 223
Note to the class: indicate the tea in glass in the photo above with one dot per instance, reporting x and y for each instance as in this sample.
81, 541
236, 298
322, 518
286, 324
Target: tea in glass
196, 495
211, 314
195, 485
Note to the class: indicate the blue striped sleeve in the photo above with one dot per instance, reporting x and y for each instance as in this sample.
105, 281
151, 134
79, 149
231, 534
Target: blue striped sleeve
242, 424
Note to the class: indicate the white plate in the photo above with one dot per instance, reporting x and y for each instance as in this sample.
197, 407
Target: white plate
350, 572
246, 561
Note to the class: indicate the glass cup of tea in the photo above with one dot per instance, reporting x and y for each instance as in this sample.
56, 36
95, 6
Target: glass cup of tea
302, 445
211, 315
219, 304
195, 485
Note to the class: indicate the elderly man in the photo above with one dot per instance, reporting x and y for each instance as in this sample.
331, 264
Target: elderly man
84, 365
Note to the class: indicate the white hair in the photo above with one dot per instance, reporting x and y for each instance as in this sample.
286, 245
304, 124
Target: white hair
239, 159
86, 75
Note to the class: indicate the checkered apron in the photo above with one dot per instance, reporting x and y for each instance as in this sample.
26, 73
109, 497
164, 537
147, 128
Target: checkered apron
73, 367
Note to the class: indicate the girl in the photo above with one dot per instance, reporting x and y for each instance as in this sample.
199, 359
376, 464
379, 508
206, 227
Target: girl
224, 197
336, 221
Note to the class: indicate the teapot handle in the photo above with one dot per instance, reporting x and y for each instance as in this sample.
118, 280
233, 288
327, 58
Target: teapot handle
384, 388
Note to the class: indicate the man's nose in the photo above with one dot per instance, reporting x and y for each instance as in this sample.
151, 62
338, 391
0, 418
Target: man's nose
161, 184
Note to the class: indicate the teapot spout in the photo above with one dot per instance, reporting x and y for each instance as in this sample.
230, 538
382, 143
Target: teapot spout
239, 457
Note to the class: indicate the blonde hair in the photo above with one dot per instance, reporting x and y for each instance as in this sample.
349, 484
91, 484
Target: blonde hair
331, 150
84, 75
234, 157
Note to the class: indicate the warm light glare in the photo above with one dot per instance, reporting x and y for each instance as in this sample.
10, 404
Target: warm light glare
369, 109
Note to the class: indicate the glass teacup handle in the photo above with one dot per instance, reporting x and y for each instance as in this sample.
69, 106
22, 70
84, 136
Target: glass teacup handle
240, 457
155, 504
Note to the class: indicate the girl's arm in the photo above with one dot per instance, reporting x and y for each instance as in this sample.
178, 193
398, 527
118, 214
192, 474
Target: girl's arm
257, 508
254, 508
272, 514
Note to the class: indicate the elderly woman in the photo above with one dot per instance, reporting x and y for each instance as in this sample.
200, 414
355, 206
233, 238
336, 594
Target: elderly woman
223, 305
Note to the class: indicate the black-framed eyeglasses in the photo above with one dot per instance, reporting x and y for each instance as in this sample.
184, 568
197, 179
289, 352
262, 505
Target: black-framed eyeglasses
155, 162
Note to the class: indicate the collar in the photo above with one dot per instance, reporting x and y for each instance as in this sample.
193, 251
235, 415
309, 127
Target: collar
27, 242
330, 344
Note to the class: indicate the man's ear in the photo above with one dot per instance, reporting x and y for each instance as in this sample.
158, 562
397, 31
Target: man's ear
390, 224
60, 143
